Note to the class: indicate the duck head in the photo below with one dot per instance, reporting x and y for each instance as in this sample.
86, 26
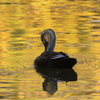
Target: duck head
48, 38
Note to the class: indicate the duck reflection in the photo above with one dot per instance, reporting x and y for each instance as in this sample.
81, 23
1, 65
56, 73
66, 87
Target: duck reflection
52, 76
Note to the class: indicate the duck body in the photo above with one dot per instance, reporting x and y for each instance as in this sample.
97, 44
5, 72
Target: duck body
55, 60
49, 58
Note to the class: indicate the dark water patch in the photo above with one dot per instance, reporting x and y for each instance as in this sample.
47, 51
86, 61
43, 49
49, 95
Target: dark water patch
22, 47
79, 8
9, 3
96, 41
18, 32
96, 35
62, 32
96, 27
95, 21
29, 37
65, 6
4, 30
77, 45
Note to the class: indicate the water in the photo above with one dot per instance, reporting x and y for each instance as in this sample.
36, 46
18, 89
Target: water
77, 28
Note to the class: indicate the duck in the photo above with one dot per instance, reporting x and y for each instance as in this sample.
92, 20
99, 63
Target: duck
50, 58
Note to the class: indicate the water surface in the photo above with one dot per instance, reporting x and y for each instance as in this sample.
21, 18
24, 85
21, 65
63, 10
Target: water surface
77, 27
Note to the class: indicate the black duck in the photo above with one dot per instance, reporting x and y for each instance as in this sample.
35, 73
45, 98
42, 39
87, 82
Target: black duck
49, 58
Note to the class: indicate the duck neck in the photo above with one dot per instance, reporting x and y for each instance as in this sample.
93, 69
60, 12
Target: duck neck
51, 44
48, 38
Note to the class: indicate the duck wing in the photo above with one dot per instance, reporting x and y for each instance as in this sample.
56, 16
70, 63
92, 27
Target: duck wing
62, 60
59, 55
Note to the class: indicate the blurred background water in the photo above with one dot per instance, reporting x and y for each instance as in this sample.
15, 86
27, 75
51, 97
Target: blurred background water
77, 27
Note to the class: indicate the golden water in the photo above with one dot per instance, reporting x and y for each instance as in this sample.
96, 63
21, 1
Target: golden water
77, 27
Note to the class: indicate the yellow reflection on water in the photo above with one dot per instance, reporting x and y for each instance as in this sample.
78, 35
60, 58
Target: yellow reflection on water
77, 27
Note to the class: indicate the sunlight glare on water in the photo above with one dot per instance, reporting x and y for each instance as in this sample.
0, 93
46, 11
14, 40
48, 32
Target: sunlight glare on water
77, 27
